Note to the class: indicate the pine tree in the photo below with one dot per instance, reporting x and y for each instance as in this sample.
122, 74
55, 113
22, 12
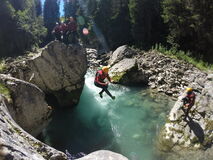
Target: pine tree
147, 24
120, 28
20, 28
51, 16
102, 18
70, 8
38, 7
190, 25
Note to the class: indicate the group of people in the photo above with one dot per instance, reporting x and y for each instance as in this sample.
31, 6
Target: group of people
66, 31
101, 75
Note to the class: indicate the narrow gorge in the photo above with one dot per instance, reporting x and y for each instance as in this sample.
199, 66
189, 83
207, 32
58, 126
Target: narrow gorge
147, 84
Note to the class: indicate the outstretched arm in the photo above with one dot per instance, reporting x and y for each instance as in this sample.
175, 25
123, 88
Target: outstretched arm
109, 78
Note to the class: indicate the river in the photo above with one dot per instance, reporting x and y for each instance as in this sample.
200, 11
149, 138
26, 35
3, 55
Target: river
128, 125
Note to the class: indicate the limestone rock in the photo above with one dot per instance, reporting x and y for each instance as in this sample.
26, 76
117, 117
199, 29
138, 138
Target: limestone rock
121, 53
172, 76
196, 131
125, 71
17, 144
57, 69
103, 155
28, 107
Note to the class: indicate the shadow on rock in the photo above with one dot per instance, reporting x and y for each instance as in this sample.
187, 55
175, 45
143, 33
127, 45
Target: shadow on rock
197, 129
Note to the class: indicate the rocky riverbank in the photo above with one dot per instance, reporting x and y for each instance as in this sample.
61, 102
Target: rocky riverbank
170, 76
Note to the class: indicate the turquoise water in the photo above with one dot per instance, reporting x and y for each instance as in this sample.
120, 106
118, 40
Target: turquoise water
127, 125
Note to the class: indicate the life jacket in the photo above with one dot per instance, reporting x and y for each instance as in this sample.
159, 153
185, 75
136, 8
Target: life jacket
190, 98
57, 29
64, 27
100, 76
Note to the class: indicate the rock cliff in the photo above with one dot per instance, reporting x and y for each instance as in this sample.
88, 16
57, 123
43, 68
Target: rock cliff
27, 104
57, 69
15, 143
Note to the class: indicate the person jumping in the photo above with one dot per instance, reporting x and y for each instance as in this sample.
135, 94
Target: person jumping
99, 81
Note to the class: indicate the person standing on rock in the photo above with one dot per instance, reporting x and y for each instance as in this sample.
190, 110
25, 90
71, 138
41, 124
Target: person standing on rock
99, 81
188, 101
57, 31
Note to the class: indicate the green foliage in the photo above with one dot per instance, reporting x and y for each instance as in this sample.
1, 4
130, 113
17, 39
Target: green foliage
112, 18
2, 65
181, 55
190, 25
5, 91
20, 28
147, 24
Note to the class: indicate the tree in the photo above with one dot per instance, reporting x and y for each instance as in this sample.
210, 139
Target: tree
38, 7
70, 8
120, 27
51, 16
20, 28
147, 24
190, 26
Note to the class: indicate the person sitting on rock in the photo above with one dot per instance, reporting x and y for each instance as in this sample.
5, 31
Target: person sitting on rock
99, 81
188, 101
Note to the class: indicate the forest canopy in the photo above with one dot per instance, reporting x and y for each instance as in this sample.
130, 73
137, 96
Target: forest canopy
182, 24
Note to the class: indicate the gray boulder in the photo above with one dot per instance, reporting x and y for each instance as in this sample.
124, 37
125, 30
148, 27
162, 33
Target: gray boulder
126, 72
17, 144
57, 69
121, 53
27, 104
103, 155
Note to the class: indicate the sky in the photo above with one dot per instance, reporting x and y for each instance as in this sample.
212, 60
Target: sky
61, 7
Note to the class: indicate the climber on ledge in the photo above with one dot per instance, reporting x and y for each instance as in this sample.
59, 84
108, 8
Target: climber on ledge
188, 101
99, 81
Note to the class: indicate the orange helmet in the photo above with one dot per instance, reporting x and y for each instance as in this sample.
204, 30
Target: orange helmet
189, 89
105, 69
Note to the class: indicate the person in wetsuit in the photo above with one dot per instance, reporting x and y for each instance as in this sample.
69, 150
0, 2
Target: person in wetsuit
189, 100
99, 81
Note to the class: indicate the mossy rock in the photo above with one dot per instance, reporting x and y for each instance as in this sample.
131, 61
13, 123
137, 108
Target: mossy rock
117, 76
209, 125
5, 92
2, 66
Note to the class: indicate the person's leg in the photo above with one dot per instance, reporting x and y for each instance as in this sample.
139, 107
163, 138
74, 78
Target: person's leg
99, 86
107, 91
104, 89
